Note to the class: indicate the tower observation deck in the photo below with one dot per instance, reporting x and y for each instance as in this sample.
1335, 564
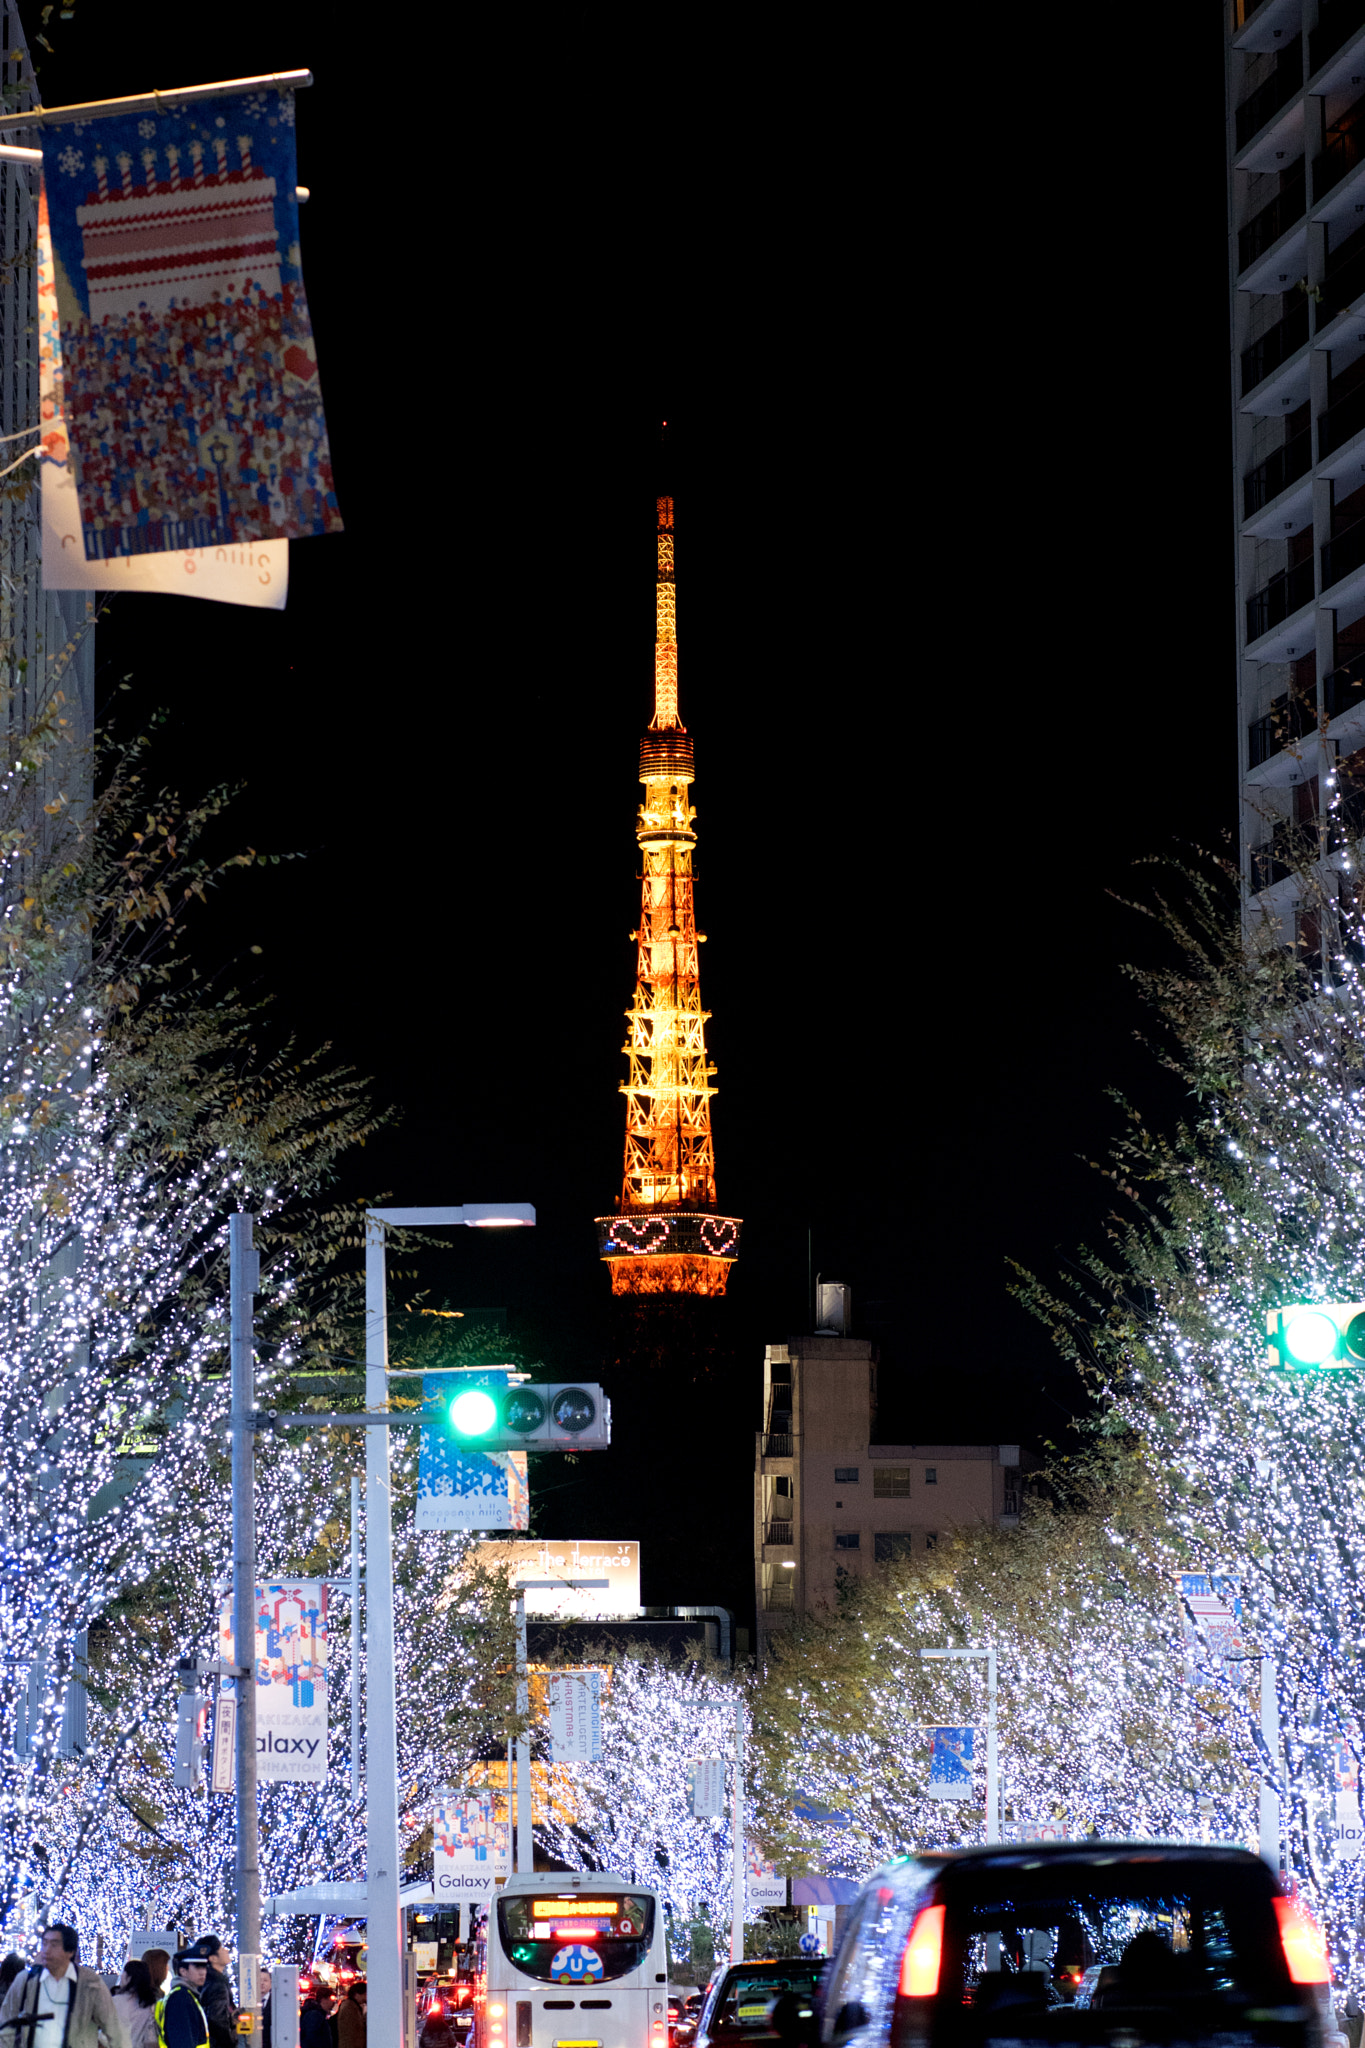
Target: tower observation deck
667, 1236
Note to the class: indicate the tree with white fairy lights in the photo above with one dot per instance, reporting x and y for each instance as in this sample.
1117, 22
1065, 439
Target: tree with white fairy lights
135, 1113
1254, 1203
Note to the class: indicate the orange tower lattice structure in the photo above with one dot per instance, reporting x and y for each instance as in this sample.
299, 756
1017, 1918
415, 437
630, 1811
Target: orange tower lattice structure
667, 1236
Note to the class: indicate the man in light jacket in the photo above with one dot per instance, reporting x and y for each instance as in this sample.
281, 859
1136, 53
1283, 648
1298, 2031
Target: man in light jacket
75, 2002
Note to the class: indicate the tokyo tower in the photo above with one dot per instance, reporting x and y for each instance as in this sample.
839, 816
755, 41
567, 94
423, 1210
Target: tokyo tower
667, 1236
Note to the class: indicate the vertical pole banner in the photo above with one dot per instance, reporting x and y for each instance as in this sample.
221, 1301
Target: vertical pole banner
1211, 1606
471, 1846
763, 1886
291, 1678
708, 1789
191, 383
257, 574
1348, 1834
575, 1716
950, 1775
462, 1489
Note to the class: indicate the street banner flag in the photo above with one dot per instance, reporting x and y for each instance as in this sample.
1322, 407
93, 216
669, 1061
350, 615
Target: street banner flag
256, 574
575, 1716
462, 1489
224, 1775
291, 1678
950, 1774
1211, 1608
190, 378
762, 1885
471, 1844
708, 1789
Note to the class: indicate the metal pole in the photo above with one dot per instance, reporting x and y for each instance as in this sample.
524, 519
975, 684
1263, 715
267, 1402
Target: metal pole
1270, 1735
992, 1756
244, 1269
526, 1846
737, 1832
355, 1639
384, 1925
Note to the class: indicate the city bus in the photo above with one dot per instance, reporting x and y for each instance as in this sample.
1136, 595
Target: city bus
576, 1961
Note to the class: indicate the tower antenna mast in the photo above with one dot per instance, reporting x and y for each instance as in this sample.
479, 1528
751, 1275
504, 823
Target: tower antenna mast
667, 1235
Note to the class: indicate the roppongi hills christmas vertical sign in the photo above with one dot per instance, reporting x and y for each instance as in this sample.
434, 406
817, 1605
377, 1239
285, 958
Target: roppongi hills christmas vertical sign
291, 1677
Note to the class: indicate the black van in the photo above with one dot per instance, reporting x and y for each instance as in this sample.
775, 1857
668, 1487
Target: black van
1059, 1942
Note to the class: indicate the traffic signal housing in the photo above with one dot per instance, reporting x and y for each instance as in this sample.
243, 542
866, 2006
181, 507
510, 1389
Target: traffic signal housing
1326, 1335
191, 1737
554, 1415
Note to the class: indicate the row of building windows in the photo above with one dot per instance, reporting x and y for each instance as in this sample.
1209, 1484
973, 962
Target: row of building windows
895, 1543
889, 1482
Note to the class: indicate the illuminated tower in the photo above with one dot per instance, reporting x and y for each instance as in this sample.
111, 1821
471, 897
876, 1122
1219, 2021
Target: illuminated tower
666, 1237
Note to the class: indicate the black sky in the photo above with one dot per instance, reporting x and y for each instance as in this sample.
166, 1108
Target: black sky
955, 619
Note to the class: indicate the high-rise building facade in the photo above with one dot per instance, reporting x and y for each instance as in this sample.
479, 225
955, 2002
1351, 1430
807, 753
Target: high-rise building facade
1296, 182
667, 1235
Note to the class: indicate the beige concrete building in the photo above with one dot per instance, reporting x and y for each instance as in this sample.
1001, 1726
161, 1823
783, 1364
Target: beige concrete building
829, 1499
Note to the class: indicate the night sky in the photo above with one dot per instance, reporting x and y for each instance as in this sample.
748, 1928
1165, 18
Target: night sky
955, 625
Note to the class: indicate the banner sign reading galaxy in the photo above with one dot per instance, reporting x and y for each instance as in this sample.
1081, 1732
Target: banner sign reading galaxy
191, 382
291, 1677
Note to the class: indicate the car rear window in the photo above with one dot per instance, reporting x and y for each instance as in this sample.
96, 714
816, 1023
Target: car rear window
1058, 1944
746, 1998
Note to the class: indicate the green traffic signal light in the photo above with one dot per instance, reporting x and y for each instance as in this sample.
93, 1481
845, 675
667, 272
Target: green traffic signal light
473, 1413
1330, 1334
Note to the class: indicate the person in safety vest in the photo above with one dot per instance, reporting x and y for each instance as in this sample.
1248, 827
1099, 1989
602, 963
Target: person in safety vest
180, 2018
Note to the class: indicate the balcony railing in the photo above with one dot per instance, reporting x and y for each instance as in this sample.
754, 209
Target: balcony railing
776, 1446
1279, 598
1342, 554
1266, 227
1287, 720
1344, 150
1344, 282
1276, 345
1341, 422
1343, 688
777, 1532
1267, 99
1282, 467
1337, 19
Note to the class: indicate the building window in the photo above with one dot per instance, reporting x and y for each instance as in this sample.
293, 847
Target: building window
846, 1539
783, 1487
931, 1475
846, 1475
887, 1547
891, 1482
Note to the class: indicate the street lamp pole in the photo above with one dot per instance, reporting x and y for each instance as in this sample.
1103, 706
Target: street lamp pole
384, 1922
244, 1272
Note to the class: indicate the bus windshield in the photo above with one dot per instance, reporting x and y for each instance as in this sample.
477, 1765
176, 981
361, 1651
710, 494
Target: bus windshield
580, 1939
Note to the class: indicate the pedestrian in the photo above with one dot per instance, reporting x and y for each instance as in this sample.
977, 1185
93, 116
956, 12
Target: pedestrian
159, 1970
135, 2002
263, 1981
314, 2031
180, 2018
58, 1988
9, 1970
351, 2016
216, 1997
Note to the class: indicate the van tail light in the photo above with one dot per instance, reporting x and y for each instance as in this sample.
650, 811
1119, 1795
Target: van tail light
1305, 1950
924, 1954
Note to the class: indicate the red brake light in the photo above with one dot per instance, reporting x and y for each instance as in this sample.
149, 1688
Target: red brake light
435, 2005
1305, 1950
923, 1954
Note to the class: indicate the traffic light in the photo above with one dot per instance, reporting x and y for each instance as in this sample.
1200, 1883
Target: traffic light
559, 1415
1329, 1334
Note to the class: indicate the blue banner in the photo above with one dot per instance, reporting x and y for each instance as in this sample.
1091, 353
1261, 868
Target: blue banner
462, 1489
950, 1775
191, 382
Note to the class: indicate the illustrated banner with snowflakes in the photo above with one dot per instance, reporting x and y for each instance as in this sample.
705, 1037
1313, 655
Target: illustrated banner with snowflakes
460, 1489
291, 1677
191, 382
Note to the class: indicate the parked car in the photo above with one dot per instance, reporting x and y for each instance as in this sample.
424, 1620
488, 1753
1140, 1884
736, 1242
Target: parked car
758, 2002
685, 2031
1084, 1942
